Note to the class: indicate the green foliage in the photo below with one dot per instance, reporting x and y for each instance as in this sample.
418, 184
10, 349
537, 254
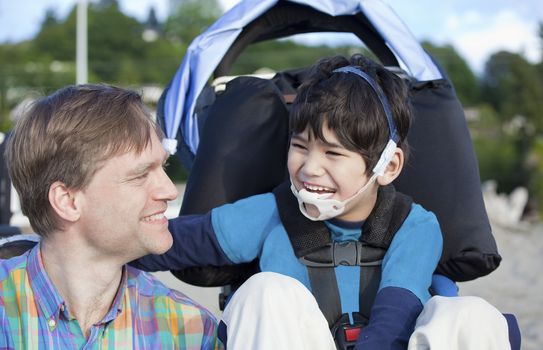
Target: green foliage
462, 77
190, 19
279, 55
507, 100
511, 85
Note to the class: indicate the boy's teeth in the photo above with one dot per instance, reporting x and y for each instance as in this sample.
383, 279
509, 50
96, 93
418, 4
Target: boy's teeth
317, 188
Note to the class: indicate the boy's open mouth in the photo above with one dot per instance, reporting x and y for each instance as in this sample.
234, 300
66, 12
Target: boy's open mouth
318, 189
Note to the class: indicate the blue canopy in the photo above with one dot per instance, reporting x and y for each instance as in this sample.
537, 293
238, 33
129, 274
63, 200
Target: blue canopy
206, 51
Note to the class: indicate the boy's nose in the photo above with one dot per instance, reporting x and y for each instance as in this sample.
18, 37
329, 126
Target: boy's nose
312, 166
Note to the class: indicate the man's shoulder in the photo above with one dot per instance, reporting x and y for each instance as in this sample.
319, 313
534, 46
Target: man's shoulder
149, 287
13, 265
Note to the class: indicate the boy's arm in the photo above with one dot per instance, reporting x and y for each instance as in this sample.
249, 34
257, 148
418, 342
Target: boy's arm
393, 318
407, 272
194, 244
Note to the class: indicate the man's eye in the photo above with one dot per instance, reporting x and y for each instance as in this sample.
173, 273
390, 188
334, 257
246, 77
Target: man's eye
142, 176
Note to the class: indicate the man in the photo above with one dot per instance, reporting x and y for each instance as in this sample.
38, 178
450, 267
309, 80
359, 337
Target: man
87, 162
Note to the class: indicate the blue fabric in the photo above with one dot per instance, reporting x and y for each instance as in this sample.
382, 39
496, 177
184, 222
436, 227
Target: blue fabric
195, 244
514, 331
251, 228
393, 318
444, 286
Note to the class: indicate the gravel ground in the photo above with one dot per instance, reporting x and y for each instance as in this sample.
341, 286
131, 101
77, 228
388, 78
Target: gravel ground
516, 286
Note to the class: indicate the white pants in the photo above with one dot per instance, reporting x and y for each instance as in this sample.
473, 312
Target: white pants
271, 311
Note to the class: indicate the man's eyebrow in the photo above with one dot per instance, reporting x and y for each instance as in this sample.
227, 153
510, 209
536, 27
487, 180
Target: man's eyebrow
140, 169
144, 167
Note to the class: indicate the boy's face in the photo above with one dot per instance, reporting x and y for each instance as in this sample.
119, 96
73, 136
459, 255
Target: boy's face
328, 167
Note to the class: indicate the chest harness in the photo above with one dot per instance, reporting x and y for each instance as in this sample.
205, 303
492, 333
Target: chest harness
315, 249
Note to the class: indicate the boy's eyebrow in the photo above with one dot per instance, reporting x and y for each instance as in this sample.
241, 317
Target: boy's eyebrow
299, 137
332, 144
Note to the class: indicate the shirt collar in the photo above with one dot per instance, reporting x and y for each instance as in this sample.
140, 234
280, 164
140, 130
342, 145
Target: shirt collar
45, 293
48, 298
119, 301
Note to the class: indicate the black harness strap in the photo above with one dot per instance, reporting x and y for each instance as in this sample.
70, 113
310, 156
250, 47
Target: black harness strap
312, 244
307, 238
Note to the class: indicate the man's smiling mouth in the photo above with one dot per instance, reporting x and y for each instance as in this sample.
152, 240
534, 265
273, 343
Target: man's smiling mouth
154, 217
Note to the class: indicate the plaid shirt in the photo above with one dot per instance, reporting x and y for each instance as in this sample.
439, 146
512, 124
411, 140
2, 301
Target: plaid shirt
144, 314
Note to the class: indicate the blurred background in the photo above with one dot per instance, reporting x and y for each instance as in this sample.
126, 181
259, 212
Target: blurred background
491, 49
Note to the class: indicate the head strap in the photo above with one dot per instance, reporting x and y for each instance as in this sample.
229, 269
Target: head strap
380, 94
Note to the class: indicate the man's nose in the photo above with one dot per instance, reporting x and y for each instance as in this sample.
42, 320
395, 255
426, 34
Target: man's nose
165, 189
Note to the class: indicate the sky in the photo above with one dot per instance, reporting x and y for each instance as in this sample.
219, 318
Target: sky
475, 28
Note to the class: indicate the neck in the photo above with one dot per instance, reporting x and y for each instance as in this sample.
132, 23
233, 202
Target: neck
87, 283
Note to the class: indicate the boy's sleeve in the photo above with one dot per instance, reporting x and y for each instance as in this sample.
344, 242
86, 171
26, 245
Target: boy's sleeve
392, 320
414, 254
194, 244
407, 272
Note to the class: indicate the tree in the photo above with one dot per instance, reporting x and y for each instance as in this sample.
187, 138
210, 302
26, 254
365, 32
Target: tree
510, 84
462, 77
190, 18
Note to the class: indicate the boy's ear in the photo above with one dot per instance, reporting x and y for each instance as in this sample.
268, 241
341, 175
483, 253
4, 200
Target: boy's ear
63, 201
393, 169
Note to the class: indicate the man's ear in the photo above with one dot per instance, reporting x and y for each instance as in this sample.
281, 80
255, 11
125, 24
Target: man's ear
62, 199
393, 168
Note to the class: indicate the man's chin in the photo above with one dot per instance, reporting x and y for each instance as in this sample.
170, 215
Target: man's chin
161, 244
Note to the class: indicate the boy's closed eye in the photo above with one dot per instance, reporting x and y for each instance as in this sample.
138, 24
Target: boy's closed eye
334, 153
297, 145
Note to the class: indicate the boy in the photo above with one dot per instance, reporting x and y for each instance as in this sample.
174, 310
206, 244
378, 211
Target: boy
349, 125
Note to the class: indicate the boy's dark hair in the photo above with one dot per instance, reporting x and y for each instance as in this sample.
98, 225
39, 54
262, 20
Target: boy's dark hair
349, 106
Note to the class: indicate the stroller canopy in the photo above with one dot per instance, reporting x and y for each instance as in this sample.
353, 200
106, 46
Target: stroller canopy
208, 49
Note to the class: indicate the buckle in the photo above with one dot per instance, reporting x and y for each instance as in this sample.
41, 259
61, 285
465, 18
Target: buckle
346, 334
352, 332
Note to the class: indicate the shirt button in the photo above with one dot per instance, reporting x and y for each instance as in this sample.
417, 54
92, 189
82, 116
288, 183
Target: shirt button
52, 323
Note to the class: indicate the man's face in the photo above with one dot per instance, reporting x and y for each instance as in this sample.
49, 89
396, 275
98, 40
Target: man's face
328, 167
123, 206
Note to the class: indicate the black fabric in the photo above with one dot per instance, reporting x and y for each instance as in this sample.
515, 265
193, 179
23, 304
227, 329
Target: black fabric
443, 176
306, 236
5, 186
245, 127
370, 278
389, 213
245, 131
326, 292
